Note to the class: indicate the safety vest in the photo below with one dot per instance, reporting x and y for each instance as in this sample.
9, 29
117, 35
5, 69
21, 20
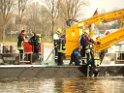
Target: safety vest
90, 52
87, 49
61, 48
20, 44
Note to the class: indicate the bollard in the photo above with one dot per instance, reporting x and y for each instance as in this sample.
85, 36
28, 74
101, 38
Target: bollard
11, 49
4, 49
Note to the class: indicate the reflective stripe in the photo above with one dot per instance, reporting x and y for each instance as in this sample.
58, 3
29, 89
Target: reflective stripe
84, 59
97, 61
21, 47
60, 50
88, 51
61, 47
56, 57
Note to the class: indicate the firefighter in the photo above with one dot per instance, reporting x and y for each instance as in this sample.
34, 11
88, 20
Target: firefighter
34, 42
76, 57
40, 46
61, 50
39, 43
84, 42
92, 61
97, 63
27, 50
20, 43
56, 38
87, 52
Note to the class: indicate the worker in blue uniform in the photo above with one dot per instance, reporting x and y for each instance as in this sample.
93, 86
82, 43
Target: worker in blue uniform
76, 57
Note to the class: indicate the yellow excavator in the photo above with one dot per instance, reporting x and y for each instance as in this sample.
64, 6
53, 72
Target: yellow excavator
74, 32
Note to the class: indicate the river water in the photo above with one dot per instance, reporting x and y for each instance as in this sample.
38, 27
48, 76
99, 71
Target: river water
64, 85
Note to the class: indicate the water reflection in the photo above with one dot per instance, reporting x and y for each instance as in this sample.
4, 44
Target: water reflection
64, 85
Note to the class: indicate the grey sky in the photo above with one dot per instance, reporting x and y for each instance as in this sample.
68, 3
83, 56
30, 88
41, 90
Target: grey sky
108, 5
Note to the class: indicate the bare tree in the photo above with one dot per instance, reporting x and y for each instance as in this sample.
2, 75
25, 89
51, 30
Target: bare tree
38, 19
33, 16
70, 9
6, 9
21, 4
53, 6
62, 10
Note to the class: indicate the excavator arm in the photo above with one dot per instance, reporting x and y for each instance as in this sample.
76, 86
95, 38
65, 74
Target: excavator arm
109, 40
107, 17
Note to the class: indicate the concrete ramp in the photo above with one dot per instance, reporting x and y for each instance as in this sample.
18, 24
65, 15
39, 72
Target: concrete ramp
42, 71
29, 71
112, 70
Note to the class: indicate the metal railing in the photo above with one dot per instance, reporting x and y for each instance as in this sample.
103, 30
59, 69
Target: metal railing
119, 55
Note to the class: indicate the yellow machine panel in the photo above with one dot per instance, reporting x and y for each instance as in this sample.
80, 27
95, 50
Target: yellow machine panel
72, 40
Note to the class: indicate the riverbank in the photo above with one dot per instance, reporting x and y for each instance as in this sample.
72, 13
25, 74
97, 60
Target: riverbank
15, 43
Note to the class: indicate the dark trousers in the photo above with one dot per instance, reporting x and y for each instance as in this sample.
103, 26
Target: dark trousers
28, 58
21, 54
75, 59
60, 58
35, 50
83, 51
56, 55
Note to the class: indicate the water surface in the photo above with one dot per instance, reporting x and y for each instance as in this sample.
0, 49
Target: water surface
64, 85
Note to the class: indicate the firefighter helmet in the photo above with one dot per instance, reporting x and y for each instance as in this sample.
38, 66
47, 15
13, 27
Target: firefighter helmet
59, 30
39, 35
87, 32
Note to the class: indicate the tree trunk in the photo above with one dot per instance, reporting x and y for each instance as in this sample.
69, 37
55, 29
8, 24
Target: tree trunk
3, 34
52, 26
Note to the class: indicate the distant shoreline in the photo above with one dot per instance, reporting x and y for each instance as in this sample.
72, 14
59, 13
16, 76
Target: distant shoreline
14, 43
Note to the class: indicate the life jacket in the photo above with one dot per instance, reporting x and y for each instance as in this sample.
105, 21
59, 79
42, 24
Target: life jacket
27, 47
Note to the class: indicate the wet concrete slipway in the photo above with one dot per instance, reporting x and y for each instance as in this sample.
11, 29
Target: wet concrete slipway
46, 77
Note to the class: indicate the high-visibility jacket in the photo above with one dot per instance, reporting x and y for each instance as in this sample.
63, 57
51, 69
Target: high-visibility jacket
61, 45
20, 43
